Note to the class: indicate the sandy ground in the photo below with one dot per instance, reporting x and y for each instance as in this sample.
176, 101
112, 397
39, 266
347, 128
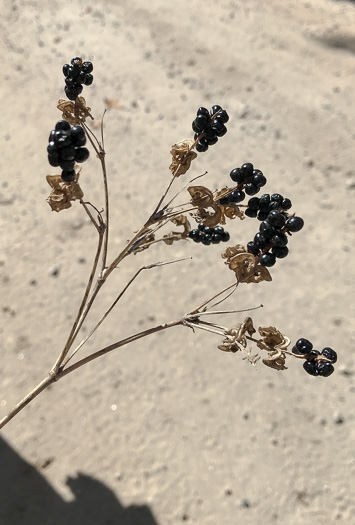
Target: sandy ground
170, 429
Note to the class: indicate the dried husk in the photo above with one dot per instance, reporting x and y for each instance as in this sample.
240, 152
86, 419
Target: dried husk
235, 337
201, 197
180, 220
182, 156
274, 342
74, 112
63, 193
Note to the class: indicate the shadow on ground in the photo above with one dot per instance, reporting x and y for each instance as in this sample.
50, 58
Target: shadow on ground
26, 498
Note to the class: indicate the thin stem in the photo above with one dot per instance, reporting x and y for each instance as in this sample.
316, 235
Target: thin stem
73, 331
27, 399
196, 325
196, 310
107, 217
118, 344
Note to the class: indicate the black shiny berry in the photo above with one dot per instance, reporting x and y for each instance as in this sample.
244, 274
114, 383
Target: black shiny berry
286, 204
207, 239
276, 197
324, 369
203, 111
216, 238
88, 67
280, 239
260, 241
62, 125
267, 259
294, 224
264, 202
258, 178
267, 230
251, 189
225, 236
302, 347
202, 145
201, 122
81, 154
222, 116
201, 227
194, 233
214, 109
251, 213
311, 368
330, 354
68, 176
236, 196
275, 218
280, 252
237, 175
253, 203
247, 170
312, 355
252, 248
77, 134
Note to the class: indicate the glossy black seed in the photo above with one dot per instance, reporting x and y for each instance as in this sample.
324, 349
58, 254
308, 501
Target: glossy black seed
262, 215
203, 111
202, 145
67, 165
195, 129
68, 153
302, 346
253, 203
273, 206
222, 116
74, 70
207, 239
286, 204
247, 169
51, 136
224, 201
264, 202
77, 135
251, 213
81, 154
324, 369
331, 354
267, 259
225, 236
75, 60
219, 128
294, 224
194, 233
216, 238
258, 179
276, 197
201, 227
68, 176
280, 239
237, 175
201, 122
66, 69
280, 252
87, 67
266, 229
218, 229
88, 80
252, 248
210, 142
236, 196
74, 92
52, 148
310, 367
199, 237
53, 161
70, 82
62, 139
214, 109
275, 218
312, 355
62, 125
260, 241
209, 230
251, 189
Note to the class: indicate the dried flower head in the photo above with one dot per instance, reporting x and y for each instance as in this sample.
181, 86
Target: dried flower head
182, 157
63, 192
274, 342
74, 112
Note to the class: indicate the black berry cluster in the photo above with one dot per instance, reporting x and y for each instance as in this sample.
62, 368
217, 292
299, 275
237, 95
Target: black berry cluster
77, 74
270, 243
208, 126
207, 235
66, 147
249, 181
317, 363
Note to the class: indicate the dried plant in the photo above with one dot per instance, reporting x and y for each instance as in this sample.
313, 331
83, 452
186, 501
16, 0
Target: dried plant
209, 208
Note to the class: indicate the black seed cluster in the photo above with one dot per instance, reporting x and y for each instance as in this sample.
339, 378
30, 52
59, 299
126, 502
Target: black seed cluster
207, 235
66, 147
208, 126
314, 364
77, 74
270, 243
249, 181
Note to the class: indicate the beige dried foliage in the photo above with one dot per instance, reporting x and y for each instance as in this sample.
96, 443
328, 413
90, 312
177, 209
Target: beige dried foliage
236, 339
231, 211
63, 193
274, 342
180, 220
74, 112
201, 197
209, 218
148, 240
245, 265
182, 156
